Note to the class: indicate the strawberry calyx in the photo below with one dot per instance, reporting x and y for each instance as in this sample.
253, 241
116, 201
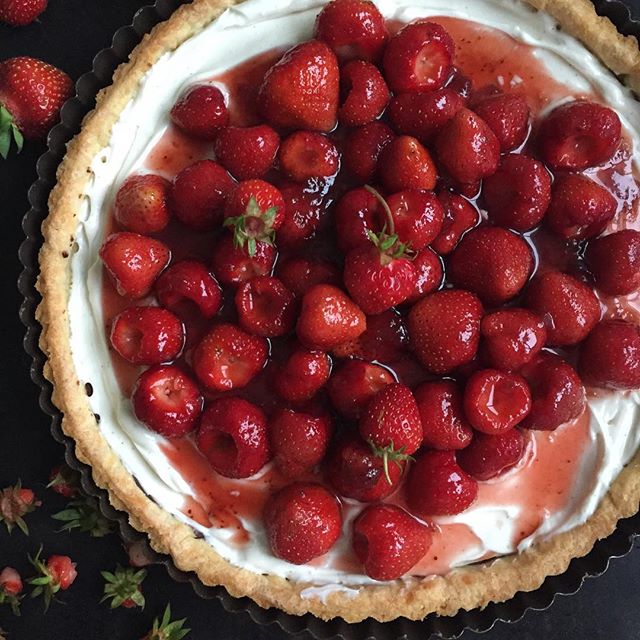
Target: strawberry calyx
388, 454
15, 503
165, 629
84, 514
63, 480
45, 583
9, 132
123, 587
253, 225
10, 589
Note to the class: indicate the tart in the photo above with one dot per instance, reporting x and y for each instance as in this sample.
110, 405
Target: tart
340, 301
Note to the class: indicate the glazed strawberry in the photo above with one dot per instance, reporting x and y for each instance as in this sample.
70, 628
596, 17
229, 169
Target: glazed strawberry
15, 503
467, 148
391, 424
356, 472
354, 384
299, 441
328, 318
247, 152
558, 395
199, 193
488, 456
233, 265
19, 13
56, 574
147, 335
229, 358
306, 154
444, 329
423, 114
495, 401
492, 262
253, 211
459, 216
233, 437
358, 213
300, 274
460, 83
578, 134
303, 211
303, 521
614, 261
362, 149
428, 266
417, 217
201, 112
568, 307
32, 93
507, 115
418, 58
610, 355
134, 262
517, 195
188, 285
303, 375
142, 204
444, 425
364, 94
167, 401
388, 541
405, 164
437, 486
511, 338
580, 208
353, 29
301, 91
10, 589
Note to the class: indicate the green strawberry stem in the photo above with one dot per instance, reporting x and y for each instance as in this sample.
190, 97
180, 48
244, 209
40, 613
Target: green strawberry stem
165, 629
43, 582
8, 131
390, 225
123, 585
389, 453
254, 224
12, 600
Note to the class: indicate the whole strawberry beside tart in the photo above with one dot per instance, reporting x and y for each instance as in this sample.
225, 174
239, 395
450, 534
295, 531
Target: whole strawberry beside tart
341, 303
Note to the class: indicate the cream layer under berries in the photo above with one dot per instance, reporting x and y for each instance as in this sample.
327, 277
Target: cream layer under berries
386, 323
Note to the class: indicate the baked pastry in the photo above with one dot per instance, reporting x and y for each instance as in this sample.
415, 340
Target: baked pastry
446, 460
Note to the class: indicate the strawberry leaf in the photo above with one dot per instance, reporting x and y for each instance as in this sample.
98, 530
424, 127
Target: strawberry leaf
123, 586
167, 630
84, 514
8, 131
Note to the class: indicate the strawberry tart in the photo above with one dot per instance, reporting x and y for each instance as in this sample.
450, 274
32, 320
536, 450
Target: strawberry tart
341, 300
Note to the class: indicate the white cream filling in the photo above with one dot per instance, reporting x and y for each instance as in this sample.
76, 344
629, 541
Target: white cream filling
241, 32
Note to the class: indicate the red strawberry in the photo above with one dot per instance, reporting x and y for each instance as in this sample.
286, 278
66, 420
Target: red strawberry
303, 375
388, 541
614, 261
495, 401
362, 149
356, 472
568, 307
199, 193
467, 148
460, 83
233, 265
328, 318
15, 503
517, 195
355, 384
64, 481
233, 437
300, 274
147, 335
305, 155
228, 358
123, 588
579, 134
405, 164
57, 573
437, 486
511, 338
557, 393
134, 262
444, 425
303, 521
610, 355
167, 401
417, 217
418, 58
353, 29
459, 216
298, 441
247, 152
364, 92
265, 307
358, 213
32, 93
428, 266
493, 263
19, 13
488, 456
187, 285
201, 112
444, 329
141, 204
301, 91
10, 589
580, 208
423, 114
507, 115
303, 211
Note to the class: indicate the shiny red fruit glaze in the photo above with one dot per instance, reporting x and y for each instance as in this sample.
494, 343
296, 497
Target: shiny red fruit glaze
247, 152
201, 112
428, 266
303, 212
362, 149
306, 154
303, 374
405, 164
357, 213
614, 261
507, 115
141, 204
490, 455
300, 274
459, 216
233, 265
417, 217
364, 94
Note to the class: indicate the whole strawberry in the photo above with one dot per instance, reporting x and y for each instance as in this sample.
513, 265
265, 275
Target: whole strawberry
19, 13
32, 93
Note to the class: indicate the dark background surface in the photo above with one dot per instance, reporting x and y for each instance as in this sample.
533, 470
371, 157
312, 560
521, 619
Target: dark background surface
68, 35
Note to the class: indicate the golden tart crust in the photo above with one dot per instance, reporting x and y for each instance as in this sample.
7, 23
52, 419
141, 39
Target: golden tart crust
465, 588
